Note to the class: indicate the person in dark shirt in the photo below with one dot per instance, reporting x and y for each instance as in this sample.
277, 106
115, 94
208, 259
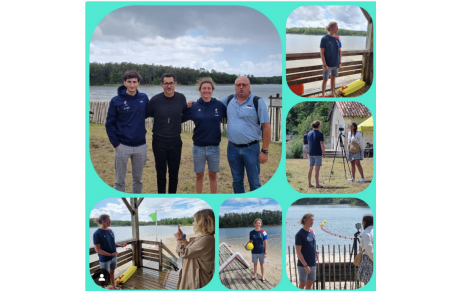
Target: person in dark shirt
125, 126
207, 114
331, 56
305, 245
317, 152
166, 109
258, 238
305, 144
106, 247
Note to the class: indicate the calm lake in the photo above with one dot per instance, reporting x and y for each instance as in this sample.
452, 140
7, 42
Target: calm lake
298, 43
341, 219
147, 232
105, 93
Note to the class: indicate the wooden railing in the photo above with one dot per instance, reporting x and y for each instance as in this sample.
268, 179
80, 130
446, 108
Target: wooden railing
122, 257
158, 256
315, 73
332, 269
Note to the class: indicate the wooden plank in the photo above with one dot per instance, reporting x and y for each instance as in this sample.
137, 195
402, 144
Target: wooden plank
319, 78
318, 67
333, 262
323, 281
320, 72
139, 202
340, 264
295, 267
329, 264
289, 256
128, 206
317, 55
168, 251
150, 251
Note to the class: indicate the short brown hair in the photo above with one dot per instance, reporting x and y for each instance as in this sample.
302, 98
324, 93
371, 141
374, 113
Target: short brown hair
205, 80
101, 218
258, 219
316, 124
205, 221
132, 74
331, 24
305, 217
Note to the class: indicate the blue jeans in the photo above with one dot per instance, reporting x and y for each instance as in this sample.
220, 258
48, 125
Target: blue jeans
240, 158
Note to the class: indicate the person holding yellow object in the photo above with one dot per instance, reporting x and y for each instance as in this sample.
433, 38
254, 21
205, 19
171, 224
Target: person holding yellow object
258, 238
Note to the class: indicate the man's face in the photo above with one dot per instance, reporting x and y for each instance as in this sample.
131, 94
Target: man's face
168, 85
258, 224
242, 87
107, 221
310, 221
335, 28
131, 85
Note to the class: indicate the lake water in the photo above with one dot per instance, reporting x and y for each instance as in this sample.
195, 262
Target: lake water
106, 93
298, 43
341, 219
147, 232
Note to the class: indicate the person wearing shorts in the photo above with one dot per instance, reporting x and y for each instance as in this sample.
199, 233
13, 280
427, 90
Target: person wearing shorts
105, 247
305, 144
331, 56
317, 152
207, 114
258, 238
305, 244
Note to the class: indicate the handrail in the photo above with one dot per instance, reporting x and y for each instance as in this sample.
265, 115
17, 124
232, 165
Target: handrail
317, 55
92, 251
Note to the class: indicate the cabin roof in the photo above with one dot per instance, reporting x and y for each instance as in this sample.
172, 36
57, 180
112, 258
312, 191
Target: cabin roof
350, 109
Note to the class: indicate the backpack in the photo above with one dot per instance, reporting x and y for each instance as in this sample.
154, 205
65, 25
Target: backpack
255, 101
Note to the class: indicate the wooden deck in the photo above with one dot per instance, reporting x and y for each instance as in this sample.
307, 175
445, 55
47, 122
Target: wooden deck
316, 92
146, 279
237, 276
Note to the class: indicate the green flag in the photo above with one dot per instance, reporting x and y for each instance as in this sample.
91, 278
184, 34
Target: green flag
153, 216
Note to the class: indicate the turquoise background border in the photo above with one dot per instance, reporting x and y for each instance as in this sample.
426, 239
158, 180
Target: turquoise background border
277, 187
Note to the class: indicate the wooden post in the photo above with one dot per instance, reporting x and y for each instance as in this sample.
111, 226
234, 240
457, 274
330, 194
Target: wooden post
160, 248
323, 268
340, 268
295, 266
289, 256
137, 249
329, 265
367, 74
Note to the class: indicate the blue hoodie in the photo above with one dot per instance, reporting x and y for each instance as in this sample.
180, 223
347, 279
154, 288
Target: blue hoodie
125, 122
207, 117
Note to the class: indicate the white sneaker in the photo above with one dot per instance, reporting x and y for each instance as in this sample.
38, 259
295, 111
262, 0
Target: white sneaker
351, 180
362, 180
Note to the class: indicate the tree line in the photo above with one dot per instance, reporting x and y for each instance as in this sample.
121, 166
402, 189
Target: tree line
112, 73
329, 201
299, 120
322, 31
164, 221
268, 217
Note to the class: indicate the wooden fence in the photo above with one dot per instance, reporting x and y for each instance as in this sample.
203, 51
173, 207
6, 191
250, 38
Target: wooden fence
99, 114
332, 268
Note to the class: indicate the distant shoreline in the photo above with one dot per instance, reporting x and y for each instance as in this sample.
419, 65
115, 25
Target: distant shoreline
264, 225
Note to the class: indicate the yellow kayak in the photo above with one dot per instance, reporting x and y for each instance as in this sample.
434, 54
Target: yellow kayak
352, 87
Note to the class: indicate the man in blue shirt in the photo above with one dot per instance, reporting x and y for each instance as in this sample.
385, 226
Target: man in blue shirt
305, 244
125, 126
317, 152
244, 130
331, 56
258, 238
305, 144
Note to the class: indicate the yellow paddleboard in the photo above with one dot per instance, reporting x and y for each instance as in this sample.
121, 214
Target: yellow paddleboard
126, 275
352, 87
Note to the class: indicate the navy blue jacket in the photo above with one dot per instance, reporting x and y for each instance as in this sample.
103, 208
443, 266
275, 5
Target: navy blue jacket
206, 116
125, 122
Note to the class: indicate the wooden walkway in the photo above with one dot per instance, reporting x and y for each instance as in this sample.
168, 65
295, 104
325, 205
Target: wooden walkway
237, 276
147, 279
316, 92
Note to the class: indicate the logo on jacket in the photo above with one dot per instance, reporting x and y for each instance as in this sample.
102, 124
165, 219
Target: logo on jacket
199, 110
125, 103
142, 101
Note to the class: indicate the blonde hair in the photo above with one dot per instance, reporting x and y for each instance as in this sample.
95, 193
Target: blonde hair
331, 24
205, 222
306, 217
205, 80
258, 219
101, 218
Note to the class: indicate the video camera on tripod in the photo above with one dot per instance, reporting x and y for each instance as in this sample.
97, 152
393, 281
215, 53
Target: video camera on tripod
354, 250
342, 150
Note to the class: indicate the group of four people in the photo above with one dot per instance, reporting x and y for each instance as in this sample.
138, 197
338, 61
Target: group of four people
247, 123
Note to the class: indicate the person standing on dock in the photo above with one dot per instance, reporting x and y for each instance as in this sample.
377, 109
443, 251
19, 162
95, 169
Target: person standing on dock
247, 123
106, 247
317, 152
166, 109
125, 126
258, 238
331, 56
305, 246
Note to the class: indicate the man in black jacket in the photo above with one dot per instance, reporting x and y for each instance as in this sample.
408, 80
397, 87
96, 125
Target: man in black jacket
166, 109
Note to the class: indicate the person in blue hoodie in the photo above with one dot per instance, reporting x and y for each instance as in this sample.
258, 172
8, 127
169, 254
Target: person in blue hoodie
207, 114
125, 126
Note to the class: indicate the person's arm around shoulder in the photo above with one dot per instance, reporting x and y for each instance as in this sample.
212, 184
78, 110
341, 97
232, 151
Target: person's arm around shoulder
151, 108
264, 119
187, 115
110, 124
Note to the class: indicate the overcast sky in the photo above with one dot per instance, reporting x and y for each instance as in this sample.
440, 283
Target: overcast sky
229, 39
245, 205
167, 208
348, 17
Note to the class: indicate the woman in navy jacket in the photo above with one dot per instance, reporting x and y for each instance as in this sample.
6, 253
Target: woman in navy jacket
206, 113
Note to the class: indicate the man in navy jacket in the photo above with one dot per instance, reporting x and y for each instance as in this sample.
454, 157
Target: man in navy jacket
125, 126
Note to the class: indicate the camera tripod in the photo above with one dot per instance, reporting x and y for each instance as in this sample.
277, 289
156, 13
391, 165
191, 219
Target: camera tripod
342, 149
353, 253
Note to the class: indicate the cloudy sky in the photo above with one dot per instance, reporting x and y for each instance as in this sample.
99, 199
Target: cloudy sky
229, 39
244, 205
348, 17
167, 208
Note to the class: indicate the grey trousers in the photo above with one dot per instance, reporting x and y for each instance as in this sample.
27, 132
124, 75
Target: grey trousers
138, 157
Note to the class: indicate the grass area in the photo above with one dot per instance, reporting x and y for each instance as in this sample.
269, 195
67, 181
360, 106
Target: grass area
297, 176
102, 157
